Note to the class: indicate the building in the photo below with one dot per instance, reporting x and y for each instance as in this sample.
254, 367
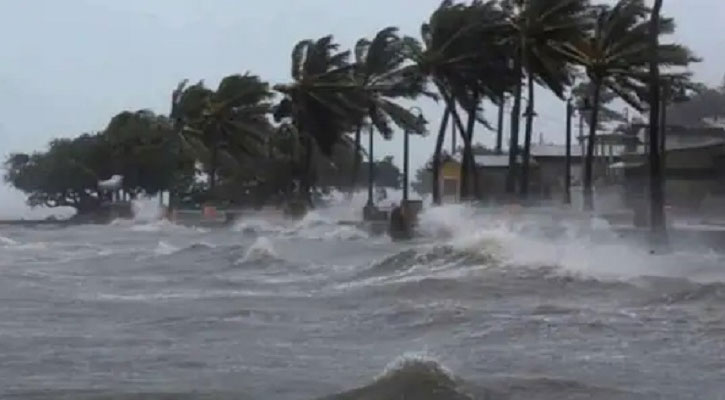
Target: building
551, 159
694, 168
492, 170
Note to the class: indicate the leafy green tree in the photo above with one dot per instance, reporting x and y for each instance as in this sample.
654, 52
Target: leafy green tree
145, 150
422, 182
64, 176
385, 173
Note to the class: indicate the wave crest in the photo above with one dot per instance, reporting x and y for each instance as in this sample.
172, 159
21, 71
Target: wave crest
262, 249
410, 378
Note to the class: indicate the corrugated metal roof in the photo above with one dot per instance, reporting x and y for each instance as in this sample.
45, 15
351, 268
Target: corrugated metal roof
493, 160
553, 150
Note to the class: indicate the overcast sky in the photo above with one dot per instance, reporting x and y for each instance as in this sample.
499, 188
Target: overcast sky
67, 66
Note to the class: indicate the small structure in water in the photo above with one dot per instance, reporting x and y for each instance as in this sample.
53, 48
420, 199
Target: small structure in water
404, 219
112, 206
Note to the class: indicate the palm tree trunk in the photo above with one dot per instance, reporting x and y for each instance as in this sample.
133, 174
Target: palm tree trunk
307, 173
454, 132
437, 157
468, 161
451, 105
527, 139
514, 139
588, 165
499, 130
213, 168
356, 163
663, 126
657, 195
371, 167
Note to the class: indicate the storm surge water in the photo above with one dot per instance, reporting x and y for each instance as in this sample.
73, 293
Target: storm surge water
486, 304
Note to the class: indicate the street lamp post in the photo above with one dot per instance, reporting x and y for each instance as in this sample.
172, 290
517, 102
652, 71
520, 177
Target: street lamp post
406, 154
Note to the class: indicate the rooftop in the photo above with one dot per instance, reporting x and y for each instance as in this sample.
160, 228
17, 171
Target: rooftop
553, 150
492, 160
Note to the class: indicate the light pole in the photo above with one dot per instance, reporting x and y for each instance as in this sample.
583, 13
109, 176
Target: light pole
406, 151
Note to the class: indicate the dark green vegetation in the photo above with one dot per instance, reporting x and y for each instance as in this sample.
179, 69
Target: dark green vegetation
258, 143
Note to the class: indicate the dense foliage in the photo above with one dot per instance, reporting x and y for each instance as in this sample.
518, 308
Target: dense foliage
257, 143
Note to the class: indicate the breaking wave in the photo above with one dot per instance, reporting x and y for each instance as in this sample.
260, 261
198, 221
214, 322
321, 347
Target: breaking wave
260, 251
535, 304
410, 378
7, 241
165, 249
569, 241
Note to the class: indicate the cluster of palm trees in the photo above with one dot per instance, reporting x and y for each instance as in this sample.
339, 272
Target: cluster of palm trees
467, 54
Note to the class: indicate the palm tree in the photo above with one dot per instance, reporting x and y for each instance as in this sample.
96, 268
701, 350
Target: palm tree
615, 56
582, 95
228, 123
323, 102
461, 55
499, 125
657, 194
383, 74
536, 27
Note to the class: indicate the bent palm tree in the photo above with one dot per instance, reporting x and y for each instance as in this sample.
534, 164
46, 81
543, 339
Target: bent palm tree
583, 93
383, 74
228, 123
323, 102
615, 56
536, 27
657, 194
462, 55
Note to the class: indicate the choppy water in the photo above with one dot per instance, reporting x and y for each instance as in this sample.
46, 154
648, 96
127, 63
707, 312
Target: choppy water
488, 305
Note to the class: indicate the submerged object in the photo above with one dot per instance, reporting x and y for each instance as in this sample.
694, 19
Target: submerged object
404, 219
399, 227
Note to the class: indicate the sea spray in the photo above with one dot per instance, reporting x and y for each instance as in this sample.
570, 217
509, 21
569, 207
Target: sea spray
261, 249
572, 242
7, 241
147, 210
165, 249
410, 377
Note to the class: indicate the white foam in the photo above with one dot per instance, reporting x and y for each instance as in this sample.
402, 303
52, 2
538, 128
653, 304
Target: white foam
414, 359
147, 210
261, 249
7, 241
519, 237
165, 249
256, 224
